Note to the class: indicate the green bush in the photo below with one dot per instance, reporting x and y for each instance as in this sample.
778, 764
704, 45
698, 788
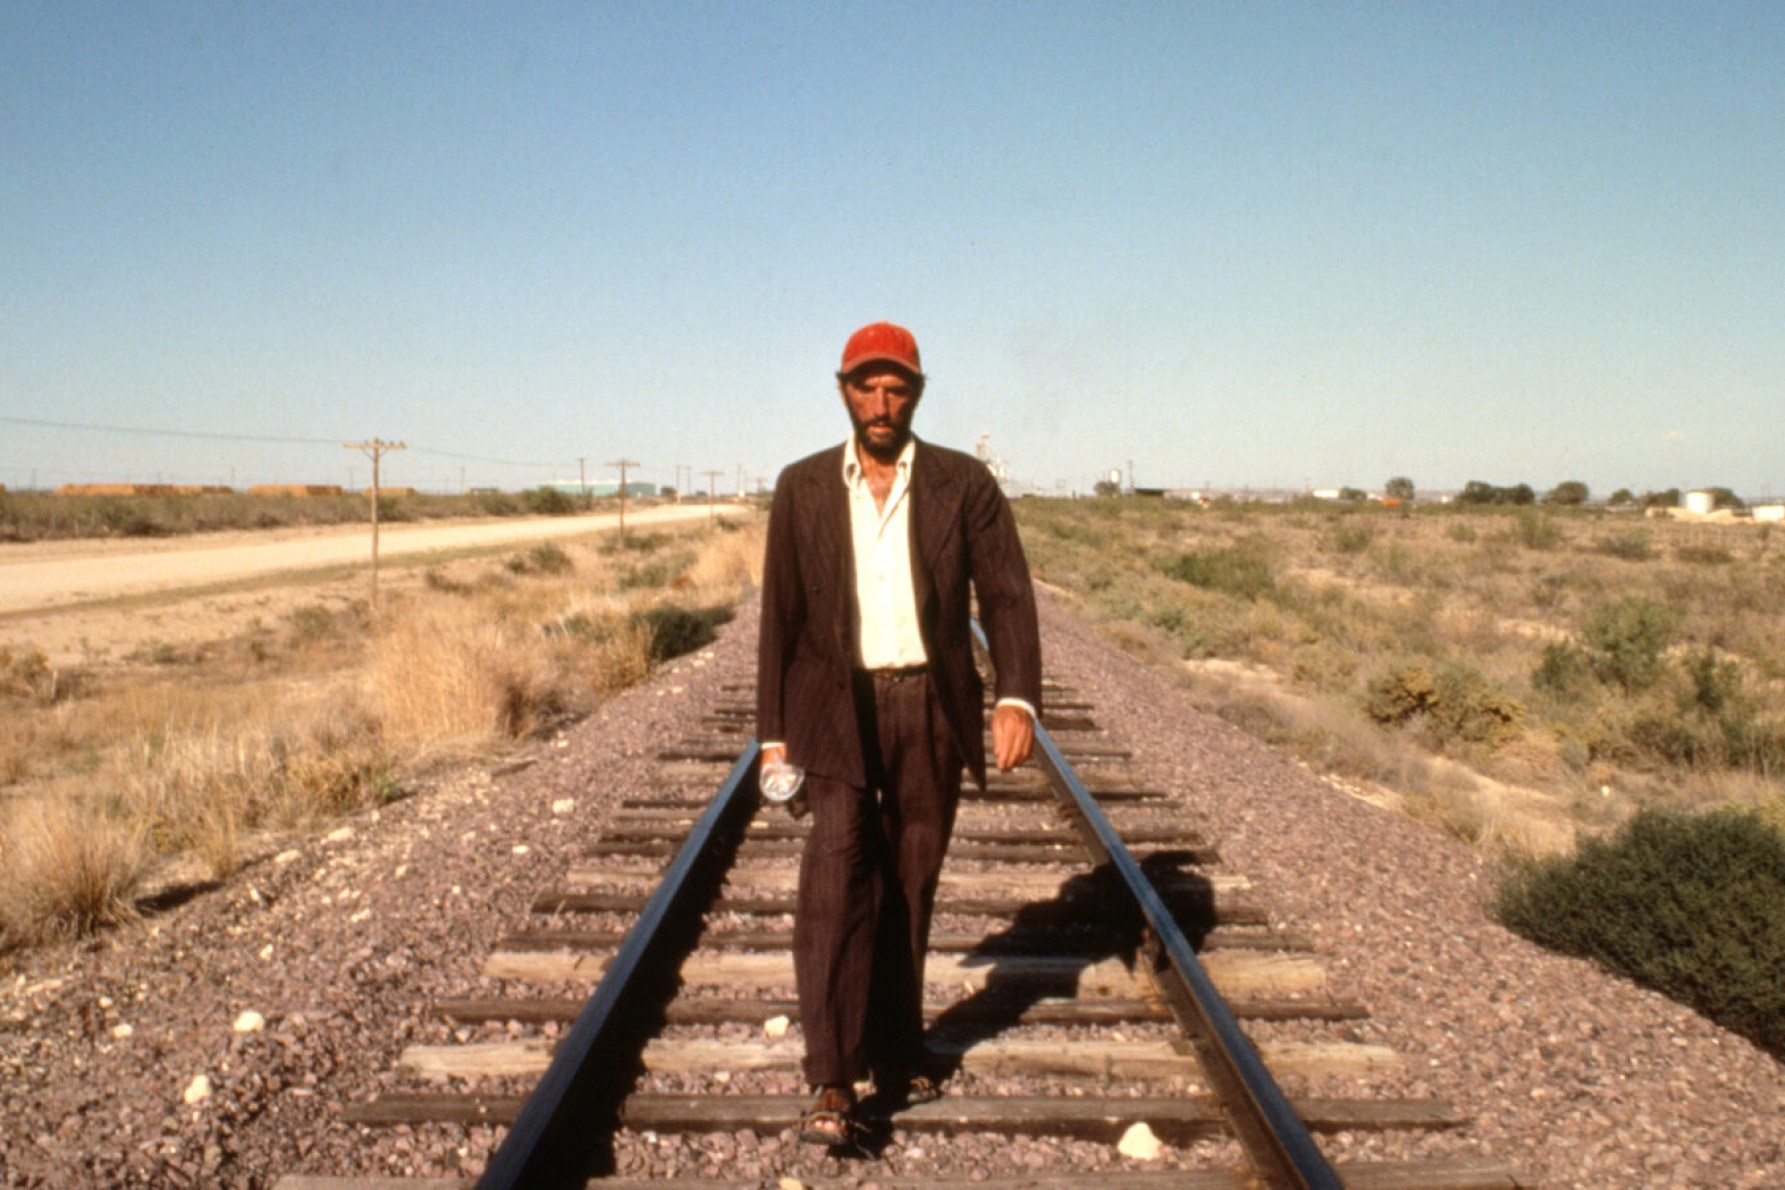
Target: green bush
129, 518
657, 572
549, 558
1565, 669
544, 501
1693, 907
1241, 571
494, 503
676, 630
1715, 684
1352, 538
311, 623
1535, 531
1704, 555
1404, 691
1457, 700
1632, 545
1624, 640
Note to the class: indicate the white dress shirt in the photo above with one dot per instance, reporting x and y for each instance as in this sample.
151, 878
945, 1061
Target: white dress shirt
886, 599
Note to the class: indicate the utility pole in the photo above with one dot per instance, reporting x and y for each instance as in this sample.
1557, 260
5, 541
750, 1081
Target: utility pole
622, 464
713, 495
583, 480
374, 450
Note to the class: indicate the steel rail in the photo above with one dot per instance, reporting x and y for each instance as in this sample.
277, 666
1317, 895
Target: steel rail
1282, 1150
549, 1143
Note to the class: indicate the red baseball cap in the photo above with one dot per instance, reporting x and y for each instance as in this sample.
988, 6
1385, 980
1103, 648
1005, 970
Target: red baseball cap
881, 342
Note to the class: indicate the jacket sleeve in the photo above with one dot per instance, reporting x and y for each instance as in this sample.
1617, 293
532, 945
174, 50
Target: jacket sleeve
783, 613
1006, 595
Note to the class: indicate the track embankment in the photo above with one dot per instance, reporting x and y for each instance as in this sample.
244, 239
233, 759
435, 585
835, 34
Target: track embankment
130, 1060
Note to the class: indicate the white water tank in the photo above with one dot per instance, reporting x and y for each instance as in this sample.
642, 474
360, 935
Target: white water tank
1699, 503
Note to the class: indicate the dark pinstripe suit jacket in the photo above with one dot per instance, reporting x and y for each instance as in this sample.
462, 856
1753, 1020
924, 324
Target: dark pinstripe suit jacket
961, 534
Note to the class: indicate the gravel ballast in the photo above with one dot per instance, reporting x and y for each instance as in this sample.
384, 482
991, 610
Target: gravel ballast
128, 1060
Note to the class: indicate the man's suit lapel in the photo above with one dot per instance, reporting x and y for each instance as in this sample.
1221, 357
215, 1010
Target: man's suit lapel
932, 518
835, 543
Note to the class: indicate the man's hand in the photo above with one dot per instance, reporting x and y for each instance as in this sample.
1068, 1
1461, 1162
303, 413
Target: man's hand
1013, 736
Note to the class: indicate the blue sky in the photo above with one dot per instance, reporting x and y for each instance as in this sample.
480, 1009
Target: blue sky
1236, 244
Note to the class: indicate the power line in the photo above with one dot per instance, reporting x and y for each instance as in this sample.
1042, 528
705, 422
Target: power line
143, 430
216, 436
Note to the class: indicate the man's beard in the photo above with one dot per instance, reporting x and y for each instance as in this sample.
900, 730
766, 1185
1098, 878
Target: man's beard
887, 452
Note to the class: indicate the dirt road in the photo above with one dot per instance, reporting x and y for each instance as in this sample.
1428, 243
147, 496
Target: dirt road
87, 602
61, 574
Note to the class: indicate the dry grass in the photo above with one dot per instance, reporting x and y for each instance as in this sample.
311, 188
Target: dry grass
66, 869
1335, 603
197, 749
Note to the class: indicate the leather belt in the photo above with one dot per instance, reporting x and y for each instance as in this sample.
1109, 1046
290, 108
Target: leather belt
895, 675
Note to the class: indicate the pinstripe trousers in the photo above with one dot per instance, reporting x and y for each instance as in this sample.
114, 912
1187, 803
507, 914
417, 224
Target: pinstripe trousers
867, 887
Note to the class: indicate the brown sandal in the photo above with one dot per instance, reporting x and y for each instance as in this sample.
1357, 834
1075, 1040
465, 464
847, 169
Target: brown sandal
830, 1120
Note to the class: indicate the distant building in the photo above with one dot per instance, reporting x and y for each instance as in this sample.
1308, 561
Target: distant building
635, 490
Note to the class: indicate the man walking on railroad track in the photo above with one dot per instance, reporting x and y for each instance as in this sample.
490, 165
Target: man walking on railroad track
866, 680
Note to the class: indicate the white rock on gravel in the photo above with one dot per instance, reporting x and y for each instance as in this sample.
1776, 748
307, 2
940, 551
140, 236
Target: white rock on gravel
1139, 1142
197, 1091
249, 1022
776, 1026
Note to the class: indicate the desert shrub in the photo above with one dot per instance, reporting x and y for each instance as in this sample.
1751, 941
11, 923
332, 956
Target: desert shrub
1704, 555
1535, 531
1624, 640
1242, 571
1406, 690
65, 871
311, 623
661, 571
544, 501
637, 543
435, 580
676, 630
1673, 739
1458, 701
1352, 538
1632, 545
128, 518
548, 557
545, 558
1752, 744
1470, 707
494, 503
1714, 683
1565, 669
1691, 906
30, 677
1462, 532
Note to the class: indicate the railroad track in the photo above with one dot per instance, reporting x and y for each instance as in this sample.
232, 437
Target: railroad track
1090, 968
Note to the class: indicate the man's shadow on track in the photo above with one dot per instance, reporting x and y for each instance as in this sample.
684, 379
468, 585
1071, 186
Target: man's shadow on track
1090, 920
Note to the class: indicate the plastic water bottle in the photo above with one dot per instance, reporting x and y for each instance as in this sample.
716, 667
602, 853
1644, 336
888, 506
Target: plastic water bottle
781, 783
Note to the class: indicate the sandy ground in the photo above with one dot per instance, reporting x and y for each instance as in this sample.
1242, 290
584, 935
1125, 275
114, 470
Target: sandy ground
87, 602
